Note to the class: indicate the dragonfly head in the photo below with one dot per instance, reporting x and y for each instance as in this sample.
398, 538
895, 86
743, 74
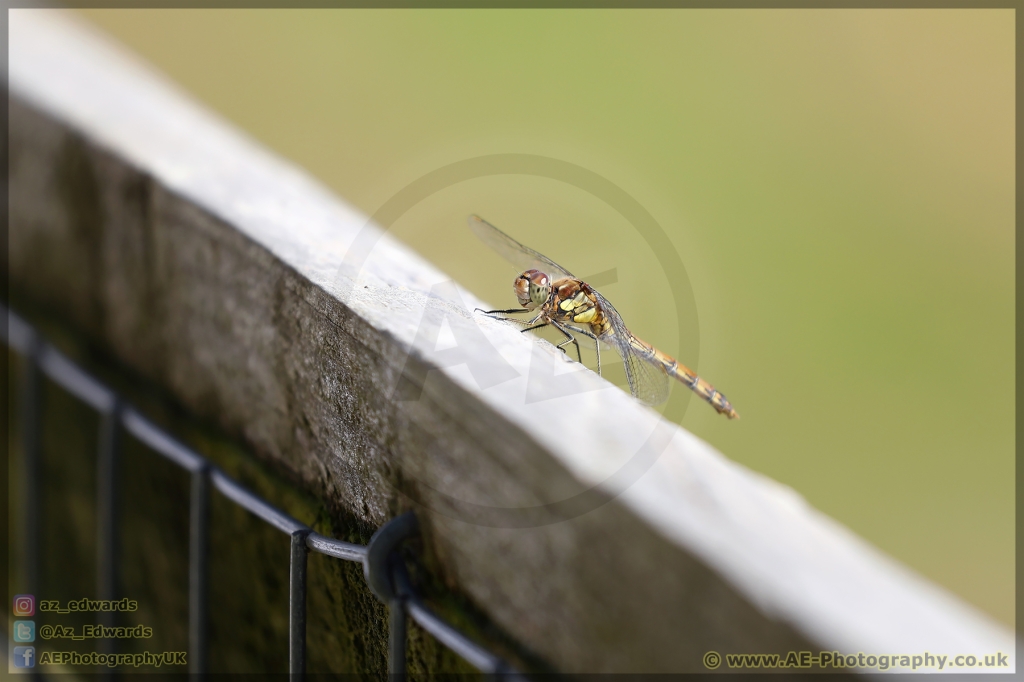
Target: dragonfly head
532, 289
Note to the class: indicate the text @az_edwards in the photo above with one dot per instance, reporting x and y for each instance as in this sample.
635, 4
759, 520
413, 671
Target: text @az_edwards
95, 632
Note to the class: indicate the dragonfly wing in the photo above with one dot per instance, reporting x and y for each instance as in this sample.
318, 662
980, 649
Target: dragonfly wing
523, 257
648, 382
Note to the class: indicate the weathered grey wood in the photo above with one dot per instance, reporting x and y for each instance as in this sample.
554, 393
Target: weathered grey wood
225, 275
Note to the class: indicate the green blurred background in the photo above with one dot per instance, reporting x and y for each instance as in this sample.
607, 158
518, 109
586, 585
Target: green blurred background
839, 184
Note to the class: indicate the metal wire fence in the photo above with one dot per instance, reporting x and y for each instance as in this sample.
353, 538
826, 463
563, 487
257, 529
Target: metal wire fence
383, 568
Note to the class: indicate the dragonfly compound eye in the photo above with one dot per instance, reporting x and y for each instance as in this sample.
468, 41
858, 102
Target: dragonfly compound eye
540, 286
522, 288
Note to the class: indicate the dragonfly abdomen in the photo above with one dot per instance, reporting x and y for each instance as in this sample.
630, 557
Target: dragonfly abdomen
687, 376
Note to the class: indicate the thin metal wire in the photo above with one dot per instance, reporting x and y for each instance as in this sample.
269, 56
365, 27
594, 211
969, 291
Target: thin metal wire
472, 653
397, 635
297, 606
31, 408
383, 568
106, 519
61, 369
336, 548
150, 434
106, 503
198, 549
245, 499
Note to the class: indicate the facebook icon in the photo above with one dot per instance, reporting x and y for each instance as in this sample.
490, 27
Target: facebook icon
24, 657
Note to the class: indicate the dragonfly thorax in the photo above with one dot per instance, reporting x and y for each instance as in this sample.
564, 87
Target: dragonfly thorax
532, 289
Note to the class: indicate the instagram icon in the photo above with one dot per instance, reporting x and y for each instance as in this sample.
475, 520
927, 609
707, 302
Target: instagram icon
24, 605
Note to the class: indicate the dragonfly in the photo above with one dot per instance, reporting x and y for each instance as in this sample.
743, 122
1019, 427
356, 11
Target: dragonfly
559, 299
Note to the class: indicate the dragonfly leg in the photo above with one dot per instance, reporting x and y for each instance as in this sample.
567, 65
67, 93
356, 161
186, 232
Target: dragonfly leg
597, 345
510, 311
569, 338
531, 323
494, 315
